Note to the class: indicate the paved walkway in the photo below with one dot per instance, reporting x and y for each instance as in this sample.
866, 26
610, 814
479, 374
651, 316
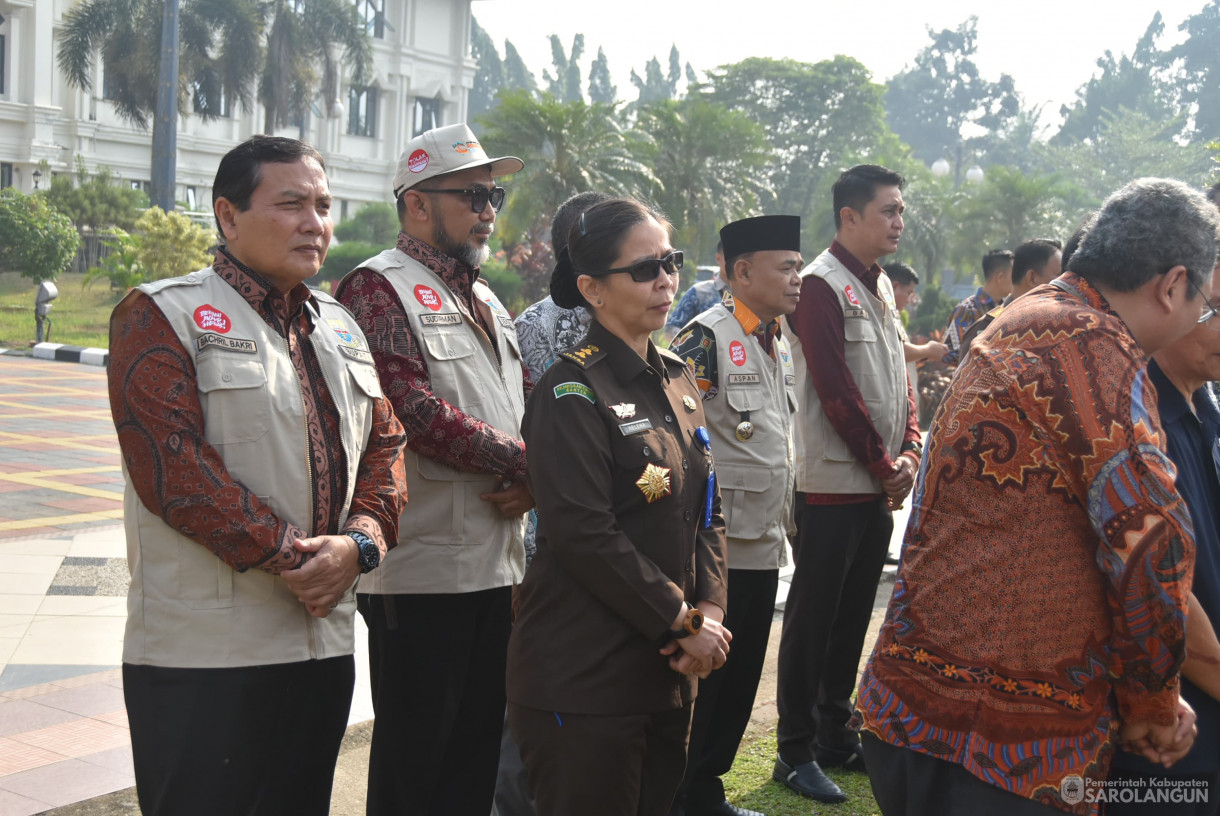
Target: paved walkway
63, 582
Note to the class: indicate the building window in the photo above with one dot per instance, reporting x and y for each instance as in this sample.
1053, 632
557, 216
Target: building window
199, 101
6, 175
425, 115
192, 199
373, 14
3, 62
362, 112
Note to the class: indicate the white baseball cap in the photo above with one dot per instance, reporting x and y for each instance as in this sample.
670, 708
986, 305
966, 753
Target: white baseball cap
446, 150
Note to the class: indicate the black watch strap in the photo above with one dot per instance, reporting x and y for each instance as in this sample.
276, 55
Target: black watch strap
370, 555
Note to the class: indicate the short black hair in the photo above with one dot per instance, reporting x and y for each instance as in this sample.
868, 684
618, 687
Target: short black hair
994, 261
1033, 255
858, 185
901, 273
1073, 243
1213, 194
240, 170
568, 212
719, 246
729, 263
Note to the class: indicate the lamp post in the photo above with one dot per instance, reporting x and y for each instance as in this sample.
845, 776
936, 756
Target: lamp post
37, 176
940, 168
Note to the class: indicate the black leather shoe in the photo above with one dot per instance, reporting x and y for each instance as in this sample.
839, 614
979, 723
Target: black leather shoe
724, 809
849, 759
808, 780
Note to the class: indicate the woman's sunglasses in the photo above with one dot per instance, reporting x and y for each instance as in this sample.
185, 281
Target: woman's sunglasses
479, 196
648, 269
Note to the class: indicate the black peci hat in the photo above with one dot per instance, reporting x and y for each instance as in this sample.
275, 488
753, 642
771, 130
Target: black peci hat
760, 234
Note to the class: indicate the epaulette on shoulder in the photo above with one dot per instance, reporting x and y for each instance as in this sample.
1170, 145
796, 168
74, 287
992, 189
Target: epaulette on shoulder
193, 279
994, 313
671, 358
584, 356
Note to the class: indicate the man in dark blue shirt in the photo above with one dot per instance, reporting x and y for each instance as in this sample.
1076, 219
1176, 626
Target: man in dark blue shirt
1181, 373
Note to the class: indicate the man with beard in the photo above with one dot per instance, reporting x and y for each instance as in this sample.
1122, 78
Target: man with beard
440, 612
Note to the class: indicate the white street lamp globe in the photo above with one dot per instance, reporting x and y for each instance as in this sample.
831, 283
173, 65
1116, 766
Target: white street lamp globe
974, 175
940, 168
336, 110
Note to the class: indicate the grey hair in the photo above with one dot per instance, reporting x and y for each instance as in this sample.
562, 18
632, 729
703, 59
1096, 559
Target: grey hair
1144, 230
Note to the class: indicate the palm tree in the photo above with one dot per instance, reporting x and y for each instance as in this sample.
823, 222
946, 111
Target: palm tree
301, 60
219, 48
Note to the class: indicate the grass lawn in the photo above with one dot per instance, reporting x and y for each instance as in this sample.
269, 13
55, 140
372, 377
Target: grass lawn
749, 785
79, 316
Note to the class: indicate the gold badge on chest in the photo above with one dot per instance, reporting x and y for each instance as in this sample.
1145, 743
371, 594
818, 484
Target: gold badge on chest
689, 402
654, 482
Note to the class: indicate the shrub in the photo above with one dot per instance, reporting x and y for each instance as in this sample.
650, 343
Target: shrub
35, 239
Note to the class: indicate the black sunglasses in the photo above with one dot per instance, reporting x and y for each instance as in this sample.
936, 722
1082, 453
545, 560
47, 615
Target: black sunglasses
479, 196
648, 269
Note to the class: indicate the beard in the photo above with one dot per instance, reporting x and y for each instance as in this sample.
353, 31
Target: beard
467, 251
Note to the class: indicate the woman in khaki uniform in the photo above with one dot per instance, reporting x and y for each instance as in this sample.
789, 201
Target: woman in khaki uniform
621, 608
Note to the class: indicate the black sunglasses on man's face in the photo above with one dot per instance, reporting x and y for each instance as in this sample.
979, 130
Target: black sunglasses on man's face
648, 269
479, 196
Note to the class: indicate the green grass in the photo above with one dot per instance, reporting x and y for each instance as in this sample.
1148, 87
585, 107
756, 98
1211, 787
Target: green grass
749, 785
80, 316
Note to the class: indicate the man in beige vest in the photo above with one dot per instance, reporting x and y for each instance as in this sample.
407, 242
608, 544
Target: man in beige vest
743, 366
857, 450
439, 611
264, 474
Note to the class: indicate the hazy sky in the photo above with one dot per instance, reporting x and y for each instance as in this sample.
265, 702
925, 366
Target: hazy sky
1050, 47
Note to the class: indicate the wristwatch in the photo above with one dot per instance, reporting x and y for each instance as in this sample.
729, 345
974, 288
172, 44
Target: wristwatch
691, 625
370, 556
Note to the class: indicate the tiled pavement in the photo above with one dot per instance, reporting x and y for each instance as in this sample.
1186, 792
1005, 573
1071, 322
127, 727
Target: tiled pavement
63, 727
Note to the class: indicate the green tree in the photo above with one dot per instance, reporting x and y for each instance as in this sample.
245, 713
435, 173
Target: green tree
930, 104
121, 266
171, 244
933, 220
343, 258
565, 84
35, 239
1010, 207
655, 86
489, 76
713, 162
601, 89
516, 74
1136, 83
219, 48
95, 202
375, 224
307, 43
1200, 74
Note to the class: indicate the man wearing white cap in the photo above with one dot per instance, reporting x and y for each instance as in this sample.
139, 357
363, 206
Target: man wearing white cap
440, 612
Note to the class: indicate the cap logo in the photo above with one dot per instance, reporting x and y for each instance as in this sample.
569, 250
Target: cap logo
428, 297
460, 147
737, 353
209, 318
851, 295
417, 161
466, 147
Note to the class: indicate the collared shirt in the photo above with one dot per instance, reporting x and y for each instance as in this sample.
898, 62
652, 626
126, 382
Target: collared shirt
964, 314
545, 329
625, 535
435, 428
697, 344
700, 297
819, 324
1047, 563
1194, 447
160, 428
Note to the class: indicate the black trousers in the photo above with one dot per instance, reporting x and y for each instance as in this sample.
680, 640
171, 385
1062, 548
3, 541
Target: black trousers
726, 697
908, 783
1200, 794
249, 741
839, 552
437, 665
602, 765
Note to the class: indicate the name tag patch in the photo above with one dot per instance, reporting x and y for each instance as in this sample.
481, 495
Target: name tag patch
357, 354
208, 341
789, 379
855, 313
442, 319
575, 389
743, 379
635, 427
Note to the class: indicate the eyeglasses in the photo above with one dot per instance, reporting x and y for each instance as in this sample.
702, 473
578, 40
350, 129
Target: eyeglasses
479, 196
1209, 311
647, 270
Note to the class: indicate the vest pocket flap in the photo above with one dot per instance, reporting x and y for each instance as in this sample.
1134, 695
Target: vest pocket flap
859, 330
754, 478
449, 345
438, 472
746, 397
365, 377
215, 374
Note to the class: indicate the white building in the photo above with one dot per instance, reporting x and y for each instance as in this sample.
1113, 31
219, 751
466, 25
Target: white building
422, 72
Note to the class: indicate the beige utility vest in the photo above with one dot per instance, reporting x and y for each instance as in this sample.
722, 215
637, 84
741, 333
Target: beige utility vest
186, 607
874, 354
449, 539
755, 475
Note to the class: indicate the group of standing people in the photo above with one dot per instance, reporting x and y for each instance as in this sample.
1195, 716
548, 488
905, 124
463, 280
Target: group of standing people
270, 434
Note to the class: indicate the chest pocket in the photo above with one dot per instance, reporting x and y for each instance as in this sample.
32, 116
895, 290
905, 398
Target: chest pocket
746, 397
367, 385
634, 452
237, 405
453, 374
859, 330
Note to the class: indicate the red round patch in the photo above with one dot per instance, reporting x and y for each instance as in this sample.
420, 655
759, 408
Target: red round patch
417, 161
737, 353
851, 295
428, 297
209, 318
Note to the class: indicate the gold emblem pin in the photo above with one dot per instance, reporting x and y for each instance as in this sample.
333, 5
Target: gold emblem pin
654, 482
689, 402
744, 431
